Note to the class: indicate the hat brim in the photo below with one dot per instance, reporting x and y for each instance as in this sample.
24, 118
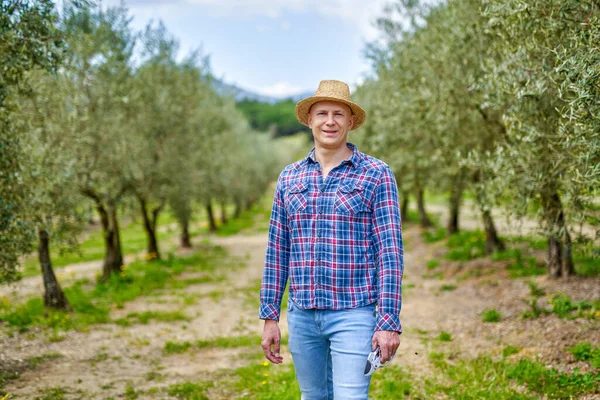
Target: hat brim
303, 108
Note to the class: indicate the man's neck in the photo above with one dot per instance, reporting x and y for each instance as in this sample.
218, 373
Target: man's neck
331, 158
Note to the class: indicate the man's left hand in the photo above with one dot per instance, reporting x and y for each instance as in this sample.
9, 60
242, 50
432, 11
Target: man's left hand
388, 342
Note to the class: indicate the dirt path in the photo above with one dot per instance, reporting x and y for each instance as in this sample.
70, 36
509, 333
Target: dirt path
108, 359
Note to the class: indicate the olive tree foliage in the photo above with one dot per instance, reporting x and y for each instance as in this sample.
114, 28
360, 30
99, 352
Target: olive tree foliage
98, 73
160, 117
547, 151
54, 207
497, 96
29, 41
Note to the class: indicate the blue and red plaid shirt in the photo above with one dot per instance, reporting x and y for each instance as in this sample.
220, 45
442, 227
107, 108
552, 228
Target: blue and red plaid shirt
338, 240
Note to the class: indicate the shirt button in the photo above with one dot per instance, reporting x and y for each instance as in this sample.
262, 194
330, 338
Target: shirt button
322, 190
319, 235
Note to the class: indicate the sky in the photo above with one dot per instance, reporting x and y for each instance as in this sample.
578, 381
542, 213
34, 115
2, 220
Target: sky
273, 47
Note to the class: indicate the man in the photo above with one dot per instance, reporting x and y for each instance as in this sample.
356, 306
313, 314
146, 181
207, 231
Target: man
335, 232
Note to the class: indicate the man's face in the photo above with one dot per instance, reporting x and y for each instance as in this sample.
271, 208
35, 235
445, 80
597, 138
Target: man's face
330, 122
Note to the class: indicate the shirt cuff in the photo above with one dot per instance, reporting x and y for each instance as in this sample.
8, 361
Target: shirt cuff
269, 311
388, 322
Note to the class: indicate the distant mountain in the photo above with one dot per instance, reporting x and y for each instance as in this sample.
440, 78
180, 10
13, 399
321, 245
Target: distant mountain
227, 89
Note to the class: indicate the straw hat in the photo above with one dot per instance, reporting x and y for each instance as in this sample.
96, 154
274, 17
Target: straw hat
330, 91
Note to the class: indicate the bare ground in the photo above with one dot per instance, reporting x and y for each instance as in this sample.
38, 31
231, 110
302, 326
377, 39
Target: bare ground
103, 362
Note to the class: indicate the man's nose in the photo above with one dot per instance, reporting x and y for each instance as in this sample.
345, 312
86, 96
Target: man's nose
330, 120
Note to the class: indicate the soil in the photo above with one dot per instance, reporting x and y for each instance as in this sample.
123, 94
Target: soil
103, 362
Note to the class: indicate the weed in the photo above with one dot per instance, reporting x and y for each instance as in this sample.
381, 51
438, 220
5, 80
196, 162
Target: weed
164, 316
445, 337
491, 315
55, 393
177, 348
509, 351
189, 390
466, 245
434, 236
448, 288
432, 264
550, 382
586, 352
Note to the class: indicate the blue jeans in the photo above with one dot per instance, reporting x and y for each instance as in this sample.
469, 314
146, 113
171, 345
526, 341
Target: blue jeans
330, 349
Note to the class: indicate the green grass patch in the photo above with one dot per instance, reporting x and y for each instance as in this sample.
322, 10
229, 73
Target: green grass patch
392, 383
445, 337
189, 390
491, 315
266, 381
483, 378
225, 342
177, 348
586, 352
509, 351
466, 245
522, 267
564, 307
432, 236
448, 288
550, 382
163, 316
432, 264
92, 303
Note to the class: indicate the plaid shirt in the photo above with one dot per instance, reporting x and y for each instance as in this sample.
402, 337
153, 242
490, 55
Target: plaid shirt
339, 241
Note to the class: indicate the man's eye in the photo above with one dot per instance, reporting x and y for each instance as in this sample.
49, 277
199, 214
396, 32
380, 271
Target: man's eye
321, 113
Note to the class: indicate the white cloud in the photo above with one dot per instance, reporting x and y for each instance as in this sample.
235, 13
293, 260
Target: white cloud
361, 13
279, 89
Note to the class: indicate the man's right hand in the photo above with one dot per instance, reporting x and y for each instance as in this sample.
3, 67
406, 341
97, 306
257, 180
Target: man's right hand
270, 341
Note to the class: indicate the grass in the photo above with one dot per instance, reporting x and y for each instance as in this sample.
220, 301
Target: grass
491, 315
432, 236
448, 288
189, 390
509, 351
225, 342
445, 337
432, 264
469, 379
586, 352
466, 245
92, 303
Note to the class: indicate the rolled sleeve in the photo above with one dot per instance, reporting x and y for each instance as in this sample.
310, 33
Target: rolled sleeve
276, 269
387, 228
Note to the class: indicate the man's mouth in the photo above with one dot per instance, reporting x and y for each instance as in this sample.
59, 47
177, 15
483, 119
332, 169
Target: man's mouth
330, 132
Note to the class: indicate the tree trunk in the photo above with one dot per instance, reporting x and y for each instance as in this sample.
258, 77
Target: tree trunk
223, 213
113, 260
238, 209
568, 268
560, 256
185, 241
150, 228
424, 218
492, 241
404, 206
54, 297
455, 199
211, 217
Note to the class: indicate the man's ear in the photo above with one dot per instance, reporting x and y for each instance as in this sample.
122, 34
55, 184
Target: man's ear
309, 120
351, 124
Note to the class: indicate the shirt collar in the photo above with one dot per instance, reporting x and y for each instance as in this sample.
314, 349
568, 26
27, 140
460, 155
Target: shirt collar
354, 159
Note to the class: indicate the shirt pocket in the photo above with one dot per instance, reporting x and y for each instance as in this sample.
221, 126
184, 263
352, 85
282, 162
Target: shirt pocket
297, 198
350, 199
